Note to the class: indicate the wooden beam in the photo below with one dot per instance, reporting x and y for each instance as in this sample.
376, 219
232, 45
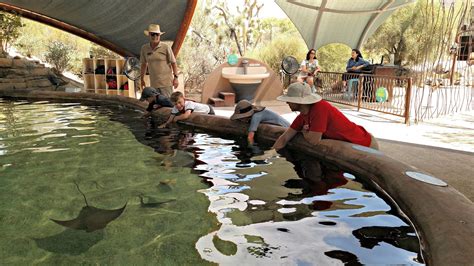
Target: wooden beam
183, 29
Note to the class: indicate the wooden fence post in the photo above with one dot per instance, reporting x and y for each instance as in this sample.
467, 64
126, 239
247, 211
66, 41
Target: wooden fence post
407, 102
359, 91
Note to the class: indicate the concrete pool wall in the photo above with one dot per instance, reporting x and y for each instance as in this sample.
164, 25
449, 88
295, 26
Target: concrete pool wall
443, 217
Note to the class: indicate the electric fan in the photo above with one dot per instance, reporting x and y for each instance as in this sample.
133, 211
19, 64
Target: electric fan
131, 69
289, 67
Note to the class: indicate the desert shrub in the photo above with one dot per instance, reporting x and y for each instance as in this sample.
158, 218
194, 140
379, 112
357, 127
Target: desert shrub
10, 25
273, 53
98, 51
59, 56
333, 57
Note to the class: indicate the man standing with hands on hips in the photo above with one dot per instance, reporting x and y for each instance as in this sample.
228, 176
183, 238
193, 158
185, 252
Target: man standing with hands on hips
161, 63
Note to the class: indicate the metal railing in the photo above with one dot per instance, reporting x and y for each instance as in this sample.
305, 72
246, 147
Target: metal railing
361, 90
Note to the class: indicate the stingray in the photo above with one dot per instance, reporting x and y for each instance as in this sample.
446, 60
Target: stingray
149, 204
91, 218
179, 158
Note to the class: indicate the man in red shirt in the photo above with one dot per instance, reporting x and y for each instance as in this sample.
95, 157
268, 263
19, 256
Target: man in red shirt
319, 119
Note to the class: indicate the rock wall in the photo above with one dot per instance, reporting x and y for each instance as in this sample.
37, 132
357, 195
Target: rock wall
25, 74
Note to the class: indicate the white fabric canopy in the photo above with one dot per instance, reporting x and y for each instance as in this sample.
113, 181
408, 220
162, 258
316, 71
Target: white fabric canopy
350, 22
120, 22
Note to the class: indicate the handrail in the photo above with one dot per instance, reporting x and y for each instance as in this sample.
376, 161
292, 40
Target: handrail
360, 90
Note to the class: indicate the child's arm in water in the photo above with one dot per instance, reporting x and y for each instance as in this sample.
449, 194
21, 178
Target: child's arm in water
146, 114
170, 120
250, 137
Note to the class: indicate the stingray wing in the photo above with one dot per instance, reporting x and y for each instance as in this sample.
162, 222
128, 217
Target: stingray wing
95, 218
91, 218
73, 224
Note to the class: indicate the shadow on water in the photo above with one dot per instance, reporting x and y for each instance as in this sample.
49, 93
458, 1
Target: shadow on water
69, 241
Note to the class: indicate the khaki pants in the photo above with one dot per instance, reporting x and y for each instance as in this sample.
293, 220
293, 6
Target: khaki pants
165, 91
373, 142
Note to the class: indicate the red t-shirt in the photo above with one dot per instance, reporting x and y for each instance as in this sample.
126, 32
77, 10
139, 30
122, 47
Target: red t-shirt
327, 119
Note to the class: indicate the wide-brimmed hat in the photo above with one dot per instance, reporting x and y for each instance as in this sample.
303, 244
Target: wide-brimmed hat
148, 92
300, 93
153, 28
245, 109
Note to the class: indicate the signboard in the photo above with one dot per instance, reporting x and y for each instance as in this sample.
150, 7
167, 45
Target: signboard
232, 59
381, 94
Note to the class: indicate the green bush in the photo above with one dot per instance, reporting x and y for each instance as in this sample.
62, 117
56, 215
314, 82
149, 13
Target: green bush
98, 51
273, 53
10, 25
333, 57
59, 56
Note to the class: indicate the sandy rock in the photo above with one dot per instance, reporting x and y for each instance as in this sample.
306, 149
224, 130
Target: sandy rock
40, 71
6, 62
21, 63
18, 80
13, 85
44, 82
15, 72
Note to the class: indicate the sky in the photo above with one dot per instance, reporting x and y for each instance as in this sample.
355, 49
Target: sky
269, 9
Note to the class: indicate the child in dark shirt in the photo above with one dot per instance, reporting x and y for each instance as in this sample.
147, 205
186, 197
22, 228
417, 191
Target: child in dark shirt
155, 100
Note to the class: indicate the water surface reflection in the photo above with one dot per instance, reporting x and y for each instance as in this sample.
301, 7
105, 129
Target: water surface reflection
303, 212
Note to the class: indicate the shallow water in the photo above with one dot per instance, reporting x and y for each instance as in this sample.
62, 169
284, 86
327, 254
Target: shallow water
191, 198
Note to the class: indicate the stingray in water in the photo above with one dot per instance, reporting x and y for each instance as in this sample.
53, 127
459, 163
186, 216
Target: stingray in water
179, 158
149, 204
91, 218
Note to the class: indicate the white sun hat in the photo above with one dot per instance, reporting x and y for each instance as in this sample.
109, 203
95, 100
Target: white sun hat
153, 28
300, 93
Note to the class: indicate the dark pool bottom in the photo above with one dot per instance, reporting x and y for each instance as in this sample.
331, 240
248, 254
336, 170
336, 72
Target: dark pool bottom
258, 210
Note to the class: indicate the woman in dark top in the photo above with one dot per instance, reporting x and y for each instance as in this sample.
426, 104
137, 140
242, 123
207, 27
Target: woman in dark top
356, 62
354, 65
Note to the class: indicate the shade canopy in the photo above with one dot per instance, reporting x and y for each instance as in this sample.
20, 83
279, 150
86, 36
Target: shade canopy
116, 25
350, 22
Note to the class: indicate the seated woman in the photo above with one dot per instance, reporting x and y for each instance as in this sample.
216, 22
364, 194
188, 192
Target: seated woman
309, 68
354, 65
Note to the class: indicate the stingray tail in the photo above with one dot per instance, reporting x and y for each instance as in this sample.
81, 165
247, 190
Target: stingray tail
87, 204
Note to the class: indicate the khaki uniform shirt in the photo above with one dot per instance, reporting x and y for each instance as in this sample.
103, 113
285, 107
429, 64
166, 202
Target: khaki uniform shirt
159, 64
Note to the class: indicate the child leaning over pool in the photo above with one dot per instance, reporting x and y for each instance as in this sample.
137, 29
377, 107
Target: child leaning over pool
246, 112
154, 99
184, 108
